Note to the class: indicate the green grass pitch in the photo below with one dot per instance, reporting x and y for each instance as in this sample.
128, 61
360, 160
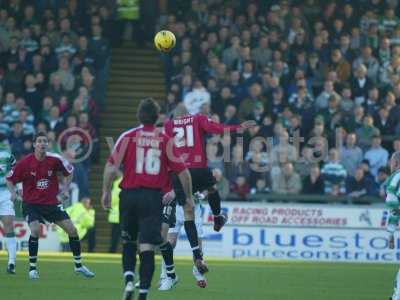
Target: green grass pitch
228, 280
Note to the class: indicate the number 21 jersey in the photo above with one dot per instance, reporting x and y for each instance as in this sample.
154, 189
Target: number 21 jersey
189, 136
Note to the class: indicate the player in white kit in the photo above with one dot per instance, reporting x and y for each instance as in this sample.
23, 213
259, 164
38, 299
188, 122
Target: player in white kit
173, 234
7, 212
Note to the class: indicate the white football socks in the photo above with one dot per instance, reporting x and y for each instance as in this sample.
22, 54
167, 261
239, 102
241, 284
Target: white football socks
11, 245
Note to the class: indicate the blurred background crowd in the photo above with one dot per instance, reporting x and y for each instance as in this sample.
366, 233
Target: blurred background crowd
54, 58
320, 78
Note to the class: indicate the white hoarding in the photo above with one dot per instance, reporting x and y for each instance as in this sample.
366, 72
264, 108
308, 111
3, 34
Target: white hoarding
49, 240
297, 215
312, 244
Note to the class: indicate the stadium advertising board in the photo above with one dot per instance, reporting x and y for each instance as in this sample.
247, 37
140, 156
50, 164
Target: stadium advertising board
295, 215
48, 237
339, 233
301, 244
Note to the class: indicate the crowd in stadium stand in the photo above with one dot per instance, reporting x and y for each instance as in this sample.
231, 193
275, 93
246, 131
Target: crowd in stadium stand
327, 72
54, 59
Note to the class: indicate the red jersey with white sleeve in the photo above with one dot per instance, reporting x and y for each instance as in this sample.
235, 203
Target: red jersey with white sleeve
146, 155
189, 135
40, 184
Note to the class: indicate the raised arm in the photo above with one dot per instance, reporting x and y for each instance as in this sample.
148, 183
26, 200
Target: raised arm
210, 126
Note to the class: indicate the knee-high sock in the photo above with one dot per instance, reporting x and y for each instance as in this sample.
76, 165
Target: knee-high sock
11, 244
75, 245
168, 257
214, 200
33, 251
129, 249
146, 273
191, 232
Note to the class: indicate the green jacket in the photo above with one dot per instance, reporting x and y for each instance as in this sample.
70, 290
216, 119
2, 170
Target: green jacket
128, 10
113, 215
82, 218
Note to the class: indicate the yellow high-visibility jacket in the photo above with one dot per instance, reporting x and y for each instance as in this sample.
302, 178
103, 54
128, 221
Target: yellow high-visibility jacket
82, 218
113, 215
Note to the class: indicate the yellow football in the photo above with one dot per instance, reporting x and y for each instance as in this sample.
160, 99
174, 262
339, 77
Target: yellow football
164, 40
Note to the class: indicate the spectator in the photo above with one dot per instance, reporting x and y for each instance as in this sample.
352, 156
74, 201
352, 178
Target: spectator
321, 102
231, 54
17, 138
287, 181
313, 184
334, 173
261, 187
14, 77
366, 167
257, 114
65, 47
238, 166
366, 132
376, 155
383, 174
340, 65
196, 98
262, 54
241, 187
305, 163
32, 95
367, 59
67, 79
214, 160
351, 155
249, 103
222, 183
4, 126
56, 89
283, 152
358, 185
26, 121
360, 84
230, 116
382, 122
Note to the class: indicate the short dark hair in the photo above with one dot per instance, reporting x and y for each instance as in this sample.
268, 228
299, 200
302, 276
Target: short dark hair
38, 135
148, 111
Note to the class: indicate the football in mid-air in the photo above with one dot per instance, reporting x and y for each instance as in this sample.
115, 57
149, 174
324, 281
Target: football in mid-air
164, 40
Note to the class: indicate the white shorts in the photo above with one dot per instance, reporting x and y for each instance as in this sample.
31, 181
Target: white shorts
198, 212
6, 205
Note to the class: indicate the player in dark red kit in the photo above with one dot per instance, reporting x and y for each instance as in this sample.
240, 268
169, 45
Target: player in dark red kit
189, 133
144, 155
39, 173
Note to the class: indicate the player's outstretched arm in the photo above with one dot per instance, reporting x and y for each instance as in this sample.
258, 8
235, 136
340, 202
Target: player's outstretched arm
248, 124
110, 173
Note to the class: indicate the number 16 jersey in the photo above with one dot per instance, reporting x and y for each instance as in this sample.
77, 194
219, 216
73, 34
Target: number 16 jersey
146, 155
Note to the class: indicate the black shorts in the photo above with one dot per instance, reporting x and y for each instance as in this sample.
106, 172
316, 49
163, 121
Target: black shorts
42, 213
169, 214
140, 212
202, 179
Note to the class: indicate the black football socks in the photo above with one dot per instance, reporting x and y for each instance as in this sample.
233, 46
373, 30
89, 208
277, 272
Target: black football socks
146, 273
191, 232
75, 246
168, 255
33, 251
